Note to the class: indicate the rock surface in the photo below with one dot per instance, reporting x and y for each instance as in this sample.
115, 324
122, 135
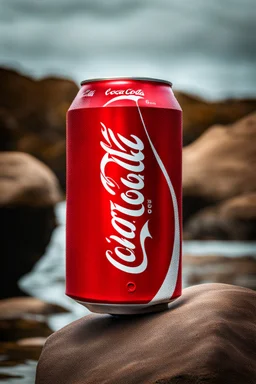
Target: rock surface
232, 219
39, 108
25, 180
219, 165
207, 336
219, 269
8, 131
28, 193
19, 307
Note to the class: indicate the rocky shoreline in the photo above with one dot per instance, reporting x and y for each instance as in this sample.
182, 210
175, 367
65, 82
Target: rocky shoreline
219, 195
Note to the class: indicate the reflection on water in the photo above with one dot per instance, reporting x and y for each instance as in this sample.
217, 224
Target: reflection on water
24, 373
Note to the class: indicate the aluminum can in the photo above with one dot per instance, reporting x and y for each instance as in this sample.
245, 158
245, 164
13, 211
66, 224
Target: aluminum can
123, 236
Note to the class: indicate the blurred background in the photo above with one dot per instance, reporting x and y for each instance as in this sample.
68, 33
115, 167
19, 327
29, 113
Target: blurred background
207, 49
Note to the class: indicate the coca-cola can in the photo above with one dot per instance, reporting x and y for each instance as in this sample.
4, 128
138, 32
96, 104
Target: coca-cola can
123, 243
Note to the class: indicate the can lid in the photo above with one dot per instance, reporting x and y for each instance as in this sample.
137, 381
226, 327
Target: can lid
150, 79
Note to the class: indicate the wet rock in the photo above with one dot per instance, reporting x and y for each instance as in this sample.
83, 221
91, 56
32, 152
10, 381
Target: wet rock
21, 351
233, 219
23, 329
199, 114
206, 336
39, 107
4, 376
25, 317
18, 307
219, 269
219, 165
28, 193
20, 328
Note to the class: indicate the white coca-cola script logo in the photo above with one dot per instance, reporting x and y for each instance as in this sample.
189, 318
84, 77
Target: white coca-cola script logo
129, 91
127, 154
89, 92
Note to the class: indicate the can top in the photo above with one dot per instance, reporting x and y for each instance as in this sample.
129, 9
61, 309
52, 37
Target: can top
150, 79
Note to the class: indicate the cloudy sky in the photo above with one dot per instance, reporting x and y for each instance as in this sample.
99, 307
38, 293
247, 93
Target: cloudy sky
205, 47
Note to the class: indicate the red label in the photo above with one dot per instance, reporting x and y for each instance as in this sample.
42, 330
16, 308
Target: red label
124, 203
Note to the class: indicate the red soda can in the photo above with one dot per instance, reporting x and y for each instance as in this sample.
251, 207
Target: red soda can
123, 236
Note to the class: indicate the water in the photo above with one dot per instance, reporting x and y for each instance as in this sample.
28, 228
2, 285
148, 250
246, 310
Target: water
46, 280
27, 373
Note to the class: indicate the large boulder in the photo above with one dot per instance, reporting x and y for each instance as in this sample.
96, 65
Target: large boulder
39, 108
200, 114
28, 193
219, 165
232, 219
207, 336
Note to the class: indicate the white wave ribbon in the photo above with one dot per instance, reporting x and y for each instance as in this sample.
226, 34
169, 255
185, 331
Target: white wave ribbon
168, 286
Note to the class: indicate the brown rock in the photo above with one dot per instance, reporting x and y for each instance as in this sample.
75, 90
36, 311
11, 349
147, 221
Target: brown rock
233, 219
23, 327
25, 180
32, 342
18, 307
219, 269
8, 131
25, 317
21, 351
207, 336
199, 114
39, 107
219, 165
28, 193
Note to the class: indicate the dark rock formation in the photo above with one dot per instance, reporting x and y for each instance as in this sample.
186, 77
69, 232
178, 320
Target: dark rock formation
199, 114
219, 165
24, 349
28, 194
233, 219
8, 131
25, 317
39, 109
207, 336
219, 269
17, 307
24, 328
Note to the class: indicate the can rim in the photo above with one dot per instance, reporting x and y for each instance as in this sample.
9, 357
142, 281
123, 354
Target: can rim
150, 79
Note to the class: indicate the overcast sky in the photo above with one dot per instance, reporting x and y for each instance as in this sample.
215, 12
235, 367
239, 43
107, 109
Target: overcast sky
203, 46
